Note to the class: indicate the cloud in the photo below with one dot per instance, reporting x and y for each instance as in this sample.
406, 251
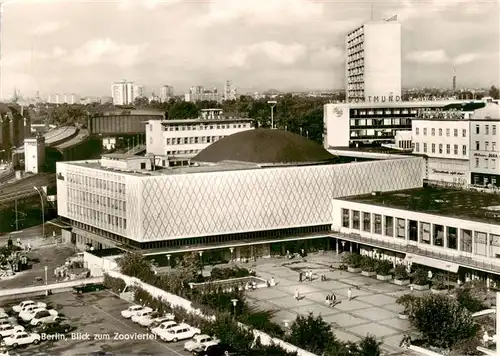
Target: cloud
416, 9
48, 28
104, 50
283, 54
428, 57
327, 56
125, 5
466, 58
262, 12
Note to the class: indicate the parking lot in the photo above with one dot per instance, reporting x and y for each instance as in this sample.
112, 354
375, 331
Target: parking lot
99, 327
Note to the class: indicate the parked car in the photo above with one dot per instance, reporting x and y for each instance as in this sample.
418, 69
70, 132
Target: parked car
132, 310
152, 323
44, 317
28, 314
142, 314
91, 287
199, 341
7, 330
55, 328
163, 327
179, 332
21, 338
18, 308
216, 349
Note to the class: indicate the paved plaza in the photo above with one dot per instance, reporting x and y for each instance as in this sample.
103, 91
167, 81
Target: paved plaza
373, 309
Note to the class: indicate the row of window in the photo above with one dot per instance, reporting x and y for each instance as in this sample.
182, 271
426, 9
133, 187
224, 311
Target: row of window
440, 131
202, 127
182, 152
86, 198
96, 217
426, 233
381, 122
487, 129
97, 183
192, 140
491, 164
486, 146
384, 112
440, 148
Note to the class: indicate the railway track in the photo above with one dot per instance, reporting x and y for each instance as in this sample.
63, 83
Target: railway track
24, 188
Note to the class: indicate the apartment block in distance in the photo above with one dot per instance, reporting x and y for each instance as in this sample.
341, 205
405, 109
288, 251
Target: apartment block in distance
175, 142
124, 92
373, 60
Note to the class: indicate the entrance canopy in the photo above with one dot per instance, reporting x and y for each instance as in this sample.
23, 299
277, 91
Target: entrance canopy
432, 262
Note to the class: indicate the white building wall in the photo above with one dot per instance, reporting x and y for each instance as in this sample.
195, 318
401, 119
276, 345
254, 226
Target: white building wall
382, 59
336, 120
62, 189
34, 154
485, 150
154, 138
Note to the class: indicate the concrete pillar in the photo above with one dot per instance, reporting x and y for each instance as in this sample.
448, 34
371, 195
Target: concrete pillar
418, 232
351, 244
488, 246
445, 236
383, 225
473, 247
432, 234
337, 242
350, 219
407, 230
372, 223
459, 239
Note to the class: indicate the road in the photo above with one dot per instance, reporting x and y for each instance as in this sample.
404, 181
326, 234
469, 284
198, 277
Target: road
30, 234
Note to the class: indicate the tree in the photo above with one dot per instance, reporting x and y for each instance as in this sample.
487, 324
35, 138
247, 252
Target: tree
494, 92
229, 332
68, 115
311, 333
441, 320
141, 102
183, 110
134, 264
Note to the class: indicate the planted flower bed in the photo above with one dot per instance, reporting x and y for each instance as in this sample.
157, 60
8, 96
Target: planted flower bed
420, 279
383, 269
368, 266
401, 276
353, 262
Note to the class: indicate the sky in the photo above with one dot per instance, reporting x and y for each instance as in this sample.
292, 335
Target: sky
82, 47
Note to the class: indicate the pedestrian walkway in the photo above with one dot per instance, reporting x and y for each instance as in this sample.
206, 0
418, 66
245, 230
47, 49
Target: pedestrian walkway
372, 310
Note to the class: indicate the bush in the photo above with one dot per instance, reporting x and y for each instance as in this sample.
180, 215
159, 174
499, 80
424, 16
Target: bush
368, 264
439, 282
441, 320
407, 301
228, 273
470, 302
353, 260
261, 320
116, 285
400, 272
383, 267
311, 333
420, 277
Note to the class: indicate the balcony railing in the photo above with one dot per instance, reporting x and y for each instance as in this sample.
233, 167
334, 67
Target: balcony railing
405, 248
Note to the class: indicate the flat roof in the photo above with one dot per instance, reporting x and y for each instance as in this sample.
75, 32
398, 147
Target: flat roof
123, 156
403, 104
374, 149
206, 120
201, 168
455, 203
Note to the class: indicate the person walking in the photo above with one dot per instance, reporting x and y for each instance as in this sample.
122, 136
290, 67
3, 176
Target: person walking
300, 276
297, 296
349, 294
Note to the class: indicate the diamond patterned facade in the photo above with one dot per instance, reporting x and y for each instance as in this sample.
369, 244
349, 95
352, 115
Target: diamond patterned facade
173, 206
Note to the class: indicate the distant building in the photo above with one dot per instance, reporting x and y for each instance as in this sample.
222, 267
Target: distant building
198, 93
373, 61
166, 93
63, 99
124, 92
230, 91
106, 100
91, 99
176, 141
34, 154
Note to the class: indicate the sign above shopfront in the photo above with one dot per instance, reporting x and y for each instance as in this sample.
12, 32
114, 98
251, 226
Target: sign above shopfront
489, 155
396, 98
451, 173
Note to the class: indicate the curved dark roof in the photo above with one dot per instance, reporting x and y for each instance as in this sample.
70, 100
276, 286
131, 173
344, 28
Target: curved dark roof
264, 146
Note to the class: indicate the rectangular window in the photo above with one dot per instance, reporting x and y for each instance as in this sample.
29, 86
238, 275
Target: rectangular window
417, 147
493, 146
425, 131
464, 150
455, 149
486, 129
448, 149
466, 240
477, 162
452, 237
355, 219
477, 145
377, 224
493, 163
464, 133
345, 218
433, 131
486, 146
440, 132
441, 148
477, 129
455, 132
493, 129
401, 228
417, 130
425, 147
425, 233
389, 226
486, 163
433, 148
438, 235
447, 132
366, 222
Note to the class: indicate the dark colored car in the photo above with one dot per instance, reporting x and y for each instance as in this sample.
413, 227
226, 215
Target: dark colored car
92, 287
54, 329
217, 350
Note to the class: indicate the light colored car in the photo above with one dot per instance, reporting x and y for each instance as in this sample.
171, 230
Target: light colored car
132, 310
29, 313
7, 330
146, 312
199, 341
163, 327
21, 338
19, 308
44, 317
179, 332
153, 322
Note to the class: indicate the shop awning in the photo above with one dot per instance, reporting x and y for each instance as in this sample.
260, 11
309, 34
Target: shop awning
432, 262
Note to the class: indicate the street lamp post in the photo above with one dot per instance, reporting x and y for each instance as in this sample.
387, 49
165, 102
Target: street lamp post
235, 301
46, 281
168, 258
272, 103
43, 211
